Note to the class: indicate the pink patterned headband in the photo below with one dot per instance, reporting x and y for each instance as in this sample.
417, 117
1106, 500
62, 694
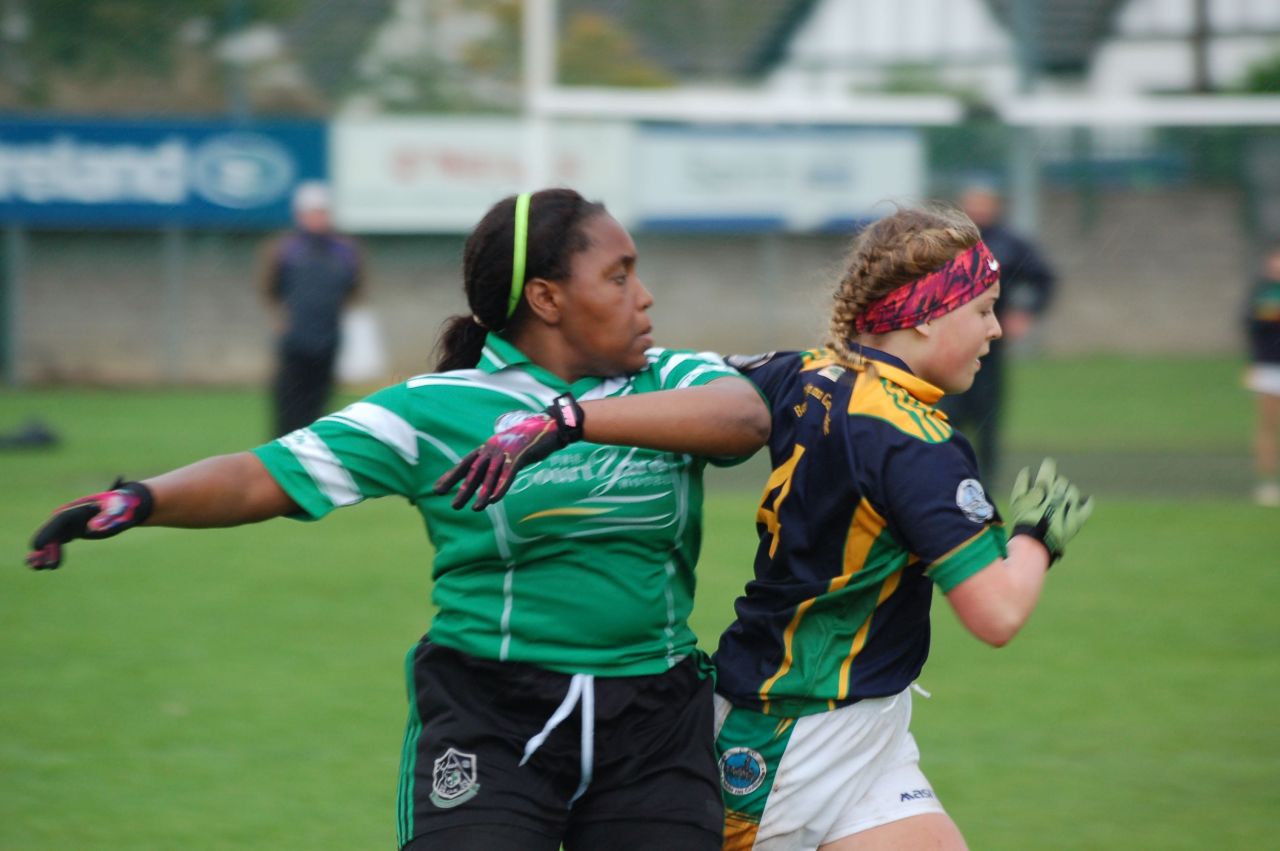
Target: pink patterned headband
959, 282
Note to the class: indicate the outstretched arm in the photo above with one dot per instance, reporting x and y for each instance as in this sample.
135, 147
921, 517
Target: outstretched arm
723, 418
226, 490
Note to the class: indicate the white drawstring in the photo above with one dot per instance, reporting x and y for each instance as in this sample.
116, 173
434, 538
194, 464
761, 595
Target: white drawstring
588, 736
582, 688
914, 687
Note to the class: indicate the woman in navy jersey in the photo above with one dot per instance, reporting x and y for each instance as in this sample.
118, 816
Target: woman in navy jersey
873, 500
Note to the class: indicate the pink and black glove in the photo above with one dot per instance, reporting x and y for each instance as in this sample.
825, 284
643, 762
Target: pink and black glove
489, 470
100, 515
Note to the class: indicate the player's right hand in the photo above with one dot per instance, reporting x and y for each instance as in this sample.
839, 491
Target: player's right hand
1048, 508
522, 439
99, 515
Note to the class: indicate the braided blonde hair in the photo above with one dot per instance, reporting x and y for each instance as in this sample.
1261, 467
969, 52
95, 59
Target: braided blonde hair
890, 253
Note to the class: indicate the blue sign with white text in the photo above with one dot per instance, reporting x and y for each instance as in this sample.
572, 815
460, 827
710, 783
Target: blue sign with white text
153, 173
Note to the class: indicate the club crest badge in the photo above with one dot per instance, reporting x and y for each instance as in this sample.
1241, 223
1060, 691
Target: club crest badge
453, 779
972, 500
742, 770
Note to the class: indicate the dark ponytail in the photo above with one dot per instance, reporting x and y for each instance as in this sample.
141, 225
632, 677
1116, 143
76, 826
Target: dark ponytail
555, 234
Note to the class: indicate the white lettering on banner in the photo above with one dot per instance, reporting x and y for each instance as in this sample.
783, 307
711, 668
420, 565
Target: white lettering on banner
66, 170
235, 170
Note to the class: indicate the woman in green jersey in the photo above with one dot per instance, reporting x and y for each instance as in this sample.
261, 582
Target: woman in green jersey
558, 696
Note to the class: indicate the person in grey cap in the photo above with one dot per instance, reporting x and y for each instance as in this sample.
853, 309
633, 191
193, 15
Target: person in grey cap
310, 275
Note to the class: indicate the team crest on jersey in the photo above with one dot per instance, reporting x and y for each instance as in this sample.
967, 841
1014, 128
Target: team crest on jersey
973, 502
453, 779
742, 770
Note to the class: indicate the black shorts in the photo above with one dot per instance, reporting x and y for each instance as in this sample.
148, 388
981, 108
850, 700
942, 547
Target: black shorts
652, 757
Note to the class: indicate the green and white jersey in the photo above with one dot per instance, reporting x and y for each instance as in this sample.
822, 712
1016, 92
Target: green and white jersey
586, 566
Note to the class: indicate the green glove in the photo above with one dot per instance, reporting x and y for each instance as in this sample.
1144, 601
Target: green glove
1049, 509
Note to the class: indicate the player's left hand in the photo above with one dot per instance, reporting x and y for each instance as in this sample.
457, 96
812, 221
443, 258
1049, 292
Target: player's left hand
521, 440
100, 515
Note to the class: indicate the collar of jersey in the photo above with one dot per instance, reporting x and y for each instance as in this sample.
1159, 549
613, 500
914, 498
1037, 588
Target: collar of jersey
896, 370
499, 354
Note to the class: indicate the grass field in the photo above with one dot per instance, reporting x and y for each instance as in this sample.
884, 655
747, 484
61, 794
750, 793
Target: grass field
241, 689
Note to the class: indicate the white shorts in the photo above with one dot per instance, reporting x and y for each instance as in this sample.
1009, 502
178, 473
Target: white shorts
1263, 378
799, 783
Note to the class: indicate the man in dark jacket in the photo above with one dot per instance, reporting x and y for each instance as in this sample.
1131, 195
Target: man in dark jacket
310, 275
1026, 287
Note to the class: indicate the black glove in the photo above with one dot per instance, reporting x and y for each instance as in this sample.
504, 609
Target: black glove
490, 469
100, 515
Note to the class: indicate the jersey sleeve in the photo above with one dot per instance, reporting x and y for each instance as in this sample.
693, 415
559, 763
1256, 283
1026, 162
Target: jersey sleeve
676, 369
941, 511
367, 449
769, 373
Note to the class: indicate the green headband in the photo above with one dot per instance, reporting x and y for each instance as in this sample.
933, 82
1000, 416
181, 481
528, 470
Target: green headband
518, 251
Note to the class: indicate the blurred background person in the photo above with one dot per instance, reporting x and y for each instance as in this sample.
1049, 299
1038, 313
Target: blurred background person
1026, 284
1263, 377
310, 276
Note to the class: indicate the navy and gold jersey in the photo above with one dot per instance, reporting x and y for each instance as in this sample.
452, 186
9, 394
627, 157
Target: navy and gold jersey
873, 498
1264, 322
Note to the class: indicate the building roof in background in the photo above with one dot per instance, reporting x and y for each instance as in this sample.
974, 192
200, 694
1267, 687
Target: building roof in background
1067, 31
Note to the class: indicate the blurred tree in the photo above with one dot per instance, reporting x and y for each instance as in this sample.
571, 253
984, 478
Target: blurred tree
121, 55
596, 51
1263, 77
467, 57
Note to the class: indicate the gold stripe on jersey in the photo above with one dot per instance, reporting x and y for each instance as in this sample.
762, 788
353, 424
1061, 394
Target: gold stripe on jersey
565, 512
902, 400
898, 397
960, 547
860, 639
788, 638
864, 531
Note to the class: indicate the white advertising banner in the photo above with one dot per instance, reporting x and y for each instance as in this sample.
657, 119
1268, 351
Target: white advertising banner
423, 175
775, 178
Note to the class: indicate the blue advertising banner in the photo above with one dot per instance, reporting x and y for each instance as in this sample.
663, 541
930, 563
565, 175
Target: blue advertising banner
155, 173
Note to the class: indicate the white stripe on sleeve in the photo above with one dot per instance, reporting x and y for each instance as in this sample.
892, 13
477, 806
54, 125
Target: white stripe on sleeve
386, 426
671, 366
702, 370
326, 471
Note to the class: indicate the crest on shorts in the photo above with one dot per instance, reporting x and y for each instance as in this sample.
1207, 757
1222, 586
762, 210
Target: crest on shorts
972, 500
742, 770
453, 779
